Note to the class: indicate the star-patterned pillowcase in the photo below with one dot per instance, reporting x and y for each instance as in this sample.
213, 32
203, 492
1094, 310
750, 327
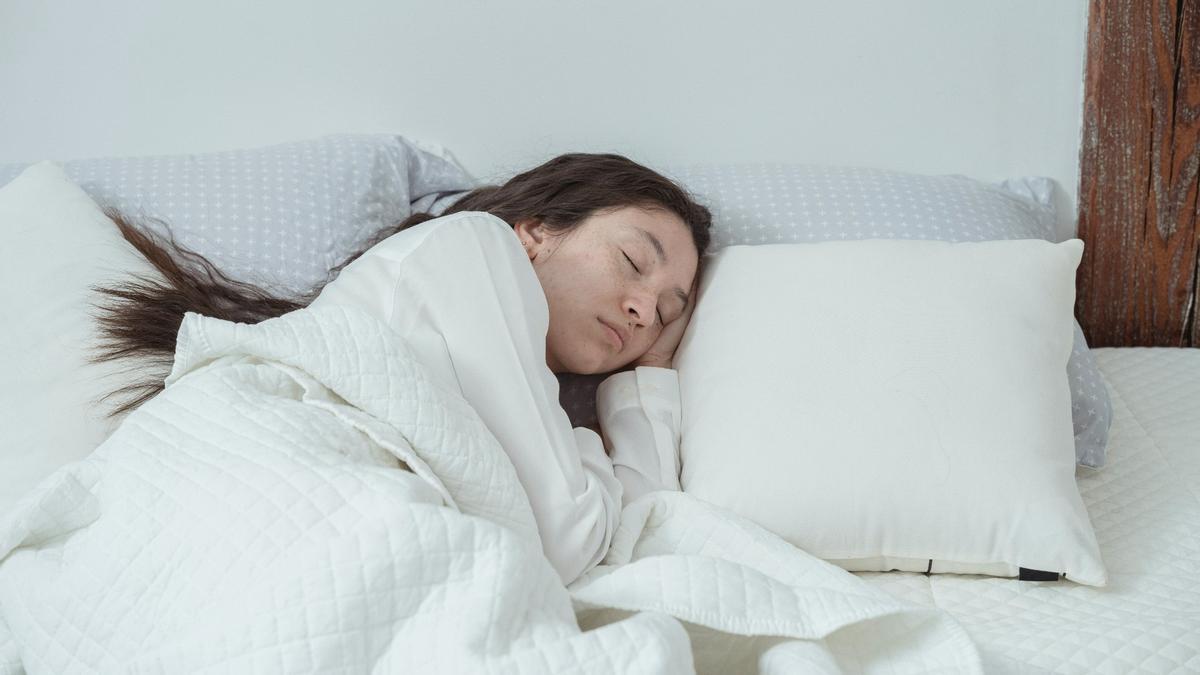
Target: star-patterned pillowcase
282, 215
786, 203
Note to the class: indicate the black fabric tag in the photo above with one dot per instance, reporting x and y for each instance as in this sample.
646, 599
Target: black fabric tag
1026, 574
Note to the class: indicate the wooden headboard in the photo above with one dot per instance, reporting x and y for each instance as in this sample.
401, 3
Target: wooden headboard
1139, 162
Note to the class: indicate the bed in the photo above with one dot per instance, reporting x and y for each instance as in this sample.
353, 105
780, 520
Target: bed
1143, 502
939, 89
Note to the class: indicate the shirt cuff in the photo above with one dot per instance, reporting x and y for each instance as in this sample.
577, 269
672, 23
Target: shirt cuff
639, 412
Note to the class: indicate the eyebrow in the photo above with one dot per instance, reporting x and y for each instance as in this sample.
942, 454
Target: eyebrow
662, 258
658, 247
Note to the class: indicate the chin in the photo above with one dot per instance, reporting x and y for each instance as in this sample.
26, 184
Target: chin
586, 364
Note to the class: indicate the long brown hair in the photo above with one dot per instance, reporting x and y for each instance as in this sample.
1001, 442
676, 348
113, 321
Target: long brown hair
139, 318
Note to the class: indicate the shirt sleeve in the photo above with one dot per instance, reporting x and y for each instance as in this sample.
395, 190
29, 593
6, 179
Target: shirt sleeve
461, 289
639, 414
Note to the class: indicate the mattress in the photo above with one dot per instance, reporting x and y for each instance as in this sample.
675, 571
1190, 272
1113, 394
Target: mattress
1145, 506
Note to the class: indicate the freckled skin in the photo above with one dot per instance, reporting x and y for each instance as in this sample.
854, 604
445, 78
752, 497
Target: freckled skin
587, 278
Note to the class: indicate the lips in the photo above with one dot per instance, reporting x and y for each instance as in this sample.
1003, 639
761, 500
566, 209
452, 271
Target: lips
614, 336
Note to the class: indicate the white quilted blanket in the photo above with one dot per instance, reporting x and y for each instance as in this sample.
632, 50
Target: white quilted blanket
304, 498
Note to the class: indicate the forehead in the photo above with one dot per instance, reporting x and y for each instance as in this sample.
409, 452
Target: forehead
657, 219
648, 225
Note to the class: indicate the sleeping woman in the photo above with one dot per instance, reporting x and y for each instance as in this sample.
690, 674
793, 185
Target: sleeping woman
585, 264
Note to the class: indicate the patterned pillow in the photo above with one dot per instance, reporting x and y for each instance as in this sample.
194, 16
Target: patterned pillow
767, 204
281, 215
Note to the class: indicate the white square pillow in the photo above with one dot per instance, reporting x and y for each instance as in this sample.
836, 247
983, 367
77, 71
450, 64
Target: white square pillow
892, 404
800, 203
57, 243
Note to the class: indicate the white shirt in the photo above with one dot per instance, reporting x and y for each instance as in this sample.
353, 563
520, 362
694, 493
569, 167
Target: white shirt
462, 292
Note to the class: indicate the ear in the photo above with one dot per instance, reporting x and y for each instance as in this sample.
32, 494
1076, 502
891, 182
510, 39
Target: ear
533, 235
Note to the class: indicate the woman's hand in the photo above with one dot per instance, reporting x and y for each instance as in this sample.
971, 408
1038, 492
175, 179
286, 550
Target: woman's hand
662, 352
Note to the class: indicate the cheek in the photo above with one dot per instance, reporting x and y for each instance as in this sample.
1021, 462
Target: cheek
582, 285
566, 295
643, 345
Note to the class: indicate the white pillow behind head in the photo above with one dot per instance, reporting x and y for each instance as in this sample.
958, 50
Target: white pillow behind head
57, 244
892, 404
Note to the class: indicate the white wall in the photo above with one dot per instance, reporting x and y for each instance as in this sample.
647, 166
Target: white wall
985, 88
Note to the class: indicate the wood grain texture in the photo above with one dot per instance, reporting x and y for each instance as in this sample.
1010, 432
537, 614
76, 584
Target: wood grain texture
1139, 166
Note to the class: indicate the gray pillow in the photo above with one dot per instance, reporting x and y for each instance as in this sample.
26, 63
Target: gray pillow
782, 203
279, 216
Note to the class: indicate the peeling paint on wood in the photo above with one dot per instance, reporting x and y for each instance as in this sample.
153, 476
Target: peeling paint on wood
1140, 174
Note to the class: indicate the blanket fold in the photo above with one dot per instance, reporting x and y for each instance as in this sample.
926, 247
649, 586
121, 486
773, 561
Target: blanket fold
303, 497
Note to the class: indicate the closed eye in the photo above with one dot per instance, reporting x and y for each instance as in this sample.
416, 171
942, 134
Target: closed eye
631, 263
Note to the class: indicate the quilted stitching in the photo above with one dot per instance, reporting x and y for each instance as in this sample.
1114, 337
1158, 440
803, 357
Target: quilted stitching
1145, 507
254, 517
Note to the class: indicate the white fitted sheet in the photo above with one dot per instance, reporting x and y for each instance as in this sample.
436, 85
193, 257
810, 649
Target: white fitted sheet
1145, 506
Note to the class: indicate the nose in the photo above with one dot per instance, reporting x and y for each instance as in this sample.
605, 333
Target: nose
639, 307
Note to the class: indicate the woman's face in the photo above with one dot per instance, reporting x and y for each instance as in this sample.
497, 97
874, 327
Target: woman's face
612, 283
